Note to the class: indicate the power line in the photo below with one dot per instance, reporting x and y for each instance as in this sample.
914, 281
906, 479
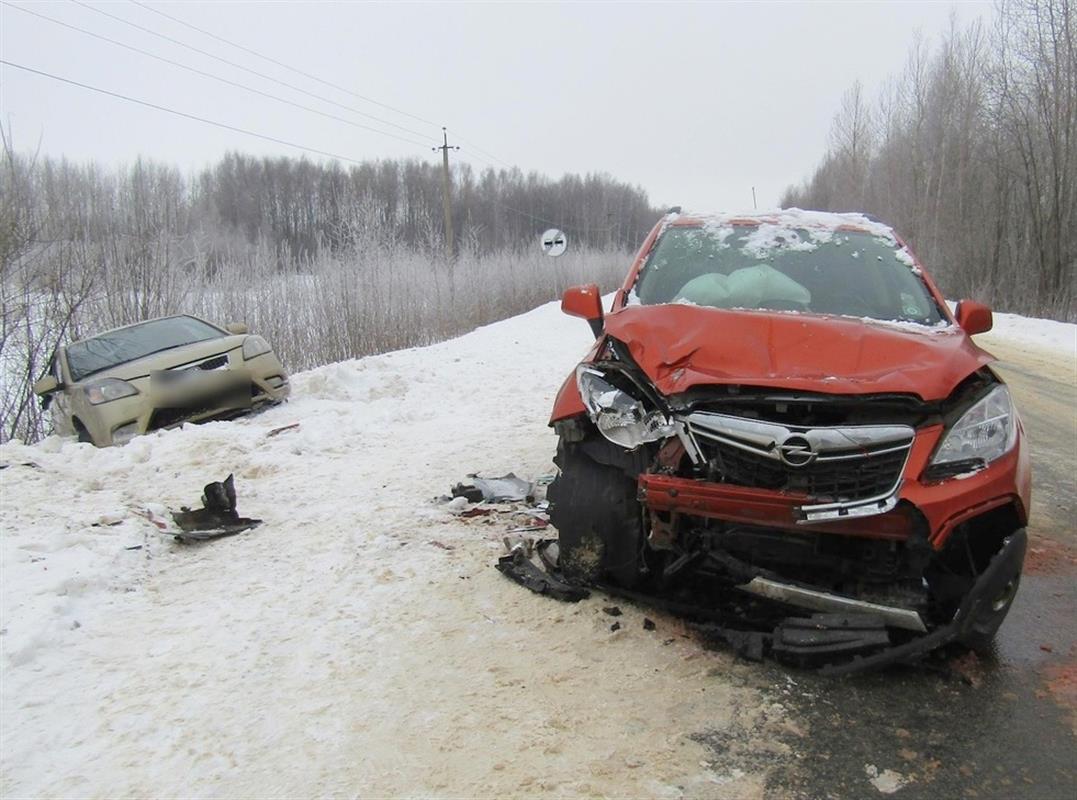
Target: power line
272, 60
312, 77
525, 214
252, 89
478, 149
246, 132
262, 75
211, 75
179, 113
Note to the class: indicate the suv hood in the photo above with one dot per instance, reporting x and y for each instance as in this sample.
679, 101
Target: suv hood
682, 346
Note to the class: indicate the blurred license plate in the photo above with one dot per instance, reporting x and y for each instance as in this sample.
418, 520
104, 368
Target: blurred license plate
180, 387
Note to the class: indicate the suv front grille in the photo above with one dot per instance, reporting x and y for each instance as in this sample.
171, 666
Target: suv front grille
830, 465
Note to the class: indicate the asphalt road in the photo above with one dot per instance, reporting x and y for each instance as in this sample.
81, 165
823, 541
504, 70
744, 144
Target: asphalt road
1004, 726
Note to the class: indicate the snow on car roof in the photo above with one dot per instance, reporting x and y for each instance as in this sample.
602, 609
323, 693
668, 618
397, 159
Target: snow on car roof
786, 218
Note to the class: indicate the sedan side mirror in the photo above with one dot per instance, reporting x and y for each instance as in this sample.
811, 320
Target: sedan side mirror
974, 317
584, 301
46, 385
238, 328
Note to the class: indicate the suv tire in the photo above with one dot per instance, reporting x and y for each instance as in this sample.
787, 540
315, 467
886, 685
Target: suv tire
598, 519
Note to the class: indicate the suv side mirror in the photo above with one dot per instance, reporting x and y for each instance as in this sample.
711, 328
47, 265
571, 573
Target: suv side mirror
46, 385
974, 317
586, 302
237, 328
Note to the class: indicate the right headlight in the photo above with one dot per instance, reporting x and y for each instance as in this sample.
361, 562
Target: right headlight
254, 346
619, 416
987, 431
103, 391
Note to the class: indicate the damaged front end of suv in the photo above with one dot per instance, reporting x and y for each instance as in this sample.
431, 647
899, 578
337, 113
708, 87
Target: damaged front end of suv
780, 409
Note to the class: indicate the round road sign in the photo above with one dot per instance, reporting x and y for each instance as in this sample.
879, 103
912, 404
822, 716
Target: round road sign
554, 242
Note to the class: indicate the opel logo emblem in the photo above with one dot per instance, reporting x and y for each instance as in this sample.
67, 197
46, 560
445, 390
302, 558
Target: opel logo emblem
796, 452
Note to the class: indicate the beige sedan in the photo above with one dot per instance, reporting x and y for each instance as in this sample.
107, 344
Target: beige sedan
159, 374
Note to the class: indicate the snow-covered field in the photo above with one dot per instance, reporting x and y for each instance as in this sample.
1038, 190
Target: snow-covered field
359, 642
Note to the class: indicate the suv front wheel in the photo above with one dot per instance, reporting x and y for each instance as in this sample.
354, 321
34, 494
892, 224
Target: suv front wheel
598, 519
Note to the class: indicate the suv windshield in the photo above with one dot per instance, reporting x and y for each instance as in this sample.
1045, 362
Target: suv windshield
769, 266
127, 344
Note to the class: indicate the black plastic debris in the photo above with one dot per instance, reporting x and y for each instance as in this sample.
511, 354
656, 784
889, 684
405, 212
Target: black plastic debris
749, 645
821, 638
615, 627
648, 624
517, 566
216, 518
471, 493
613, 611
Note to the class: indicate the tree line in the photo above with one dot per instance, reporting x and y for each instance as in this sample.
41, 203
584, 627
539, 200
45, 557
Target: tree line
971, 153
300, 207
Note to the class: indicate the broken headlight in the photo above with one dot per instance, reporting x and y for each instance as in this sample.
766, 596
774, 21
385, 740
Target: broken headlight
618, 415
108, 389
984, 433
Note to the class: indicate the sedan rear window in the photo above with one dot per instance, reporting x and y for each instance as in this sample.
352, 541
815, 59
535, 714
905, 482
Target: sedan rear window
127, 344
772, 267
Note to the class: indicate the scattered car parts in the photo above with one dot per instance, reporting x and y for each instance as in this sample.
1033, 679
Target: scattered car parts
503, 489
521, 569
216, 518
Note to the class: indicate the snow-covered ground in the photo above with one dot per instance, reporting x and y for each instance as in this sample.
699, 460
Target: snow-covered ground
337, 649
359, 642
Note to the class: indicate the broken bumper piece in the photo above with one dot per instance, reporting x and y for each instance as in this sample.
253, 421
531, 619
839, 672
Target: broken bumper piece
847, 643
976, 606
856, 639
517, 566
803, 597
218, 516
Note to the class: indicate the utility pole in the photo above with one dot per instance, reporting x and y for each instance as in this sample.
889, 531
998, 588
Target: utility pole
446, 190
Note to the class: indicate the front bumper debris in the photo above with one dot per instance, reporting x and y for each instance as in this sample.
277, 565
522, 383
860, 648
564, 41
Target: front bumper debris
989, 585
803, 597
855, 639
217, 517
519, 568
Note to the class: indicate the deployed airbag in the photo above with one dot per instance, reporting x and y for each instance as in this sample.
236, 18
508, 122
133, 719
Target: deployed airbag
749, 287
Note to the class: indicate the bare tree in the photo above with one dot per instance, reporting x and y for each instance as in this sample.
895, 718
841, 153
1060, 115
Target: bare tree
975, 158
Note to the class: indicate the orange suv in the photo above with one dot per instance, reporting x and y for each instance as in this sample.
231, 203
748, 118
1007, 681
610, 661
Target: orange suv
784, 404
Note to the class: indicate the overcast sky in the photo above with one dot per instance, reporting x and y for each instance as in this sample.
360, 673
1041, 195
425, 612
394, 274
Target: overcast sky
696, 103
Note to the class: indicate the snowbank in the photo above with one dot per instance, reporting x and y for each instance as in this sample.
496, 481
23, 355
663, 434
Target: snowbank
1046, 334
